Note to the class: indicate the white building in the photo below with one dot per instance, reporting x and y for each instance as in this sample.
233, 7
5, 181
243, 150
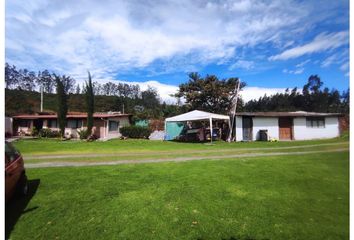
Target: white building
286, 125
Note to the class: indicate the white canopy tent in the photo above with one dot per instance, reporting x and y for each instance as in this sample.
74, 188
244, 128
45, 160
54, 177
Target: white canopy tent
197, 115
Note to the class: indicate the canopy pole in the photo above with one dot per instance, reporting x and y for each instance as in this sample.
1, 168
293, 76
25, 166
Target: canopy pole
165, 130
211, 130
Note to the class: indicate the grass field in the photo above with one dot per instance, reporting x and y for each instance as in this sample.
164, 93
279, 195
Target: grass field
53, 146
283, 197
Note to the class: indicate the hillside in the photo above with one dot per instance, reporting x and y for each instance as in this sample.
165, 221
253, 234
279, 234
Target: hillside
19, 101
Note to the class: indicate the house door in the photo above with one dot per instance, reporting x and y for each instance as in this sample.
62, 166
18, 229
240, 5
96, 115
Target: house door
285, 128
247, 125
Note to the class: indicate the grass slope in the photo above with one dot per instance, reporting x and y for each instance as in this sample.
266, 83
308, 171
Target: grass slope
292, 197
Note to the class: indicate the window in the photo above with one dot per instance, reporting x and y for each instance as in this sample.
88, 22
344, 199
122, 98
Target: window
24, 123
315, 122
52, 123
113, 126
74, 123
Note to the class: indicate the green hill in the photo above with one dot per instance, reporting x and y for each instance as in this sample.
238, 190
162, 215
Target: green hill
19, 102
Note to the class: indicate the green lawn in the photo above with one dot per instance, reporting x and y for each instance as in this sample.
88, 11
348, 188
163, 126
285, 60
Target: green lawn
284, 197
52, 146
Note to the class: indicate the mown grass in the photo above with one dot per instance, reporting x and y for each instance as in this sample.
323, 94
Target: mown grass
284, 197
53, 146
172, 154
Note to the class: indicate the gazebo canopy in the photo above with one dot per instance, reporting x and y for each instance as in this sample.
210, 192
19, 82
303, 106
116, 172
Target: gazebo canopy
196, 115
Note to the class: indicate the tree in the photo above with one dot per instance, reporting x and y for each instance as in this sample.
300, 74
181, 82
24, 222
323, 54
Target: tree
89, 96
27, 80
209, 93
45, 80
62, 106
78, 90
11, 76
69, 84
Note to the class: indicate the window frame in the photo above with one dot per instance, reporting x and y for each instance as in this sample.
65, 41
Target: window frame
109, 125
315, 122
50, 123
24, 123
78, 123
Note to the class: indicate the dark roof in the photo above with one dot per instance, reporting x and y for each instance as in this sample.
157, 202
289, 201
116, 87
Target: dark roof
287, 114
70, 115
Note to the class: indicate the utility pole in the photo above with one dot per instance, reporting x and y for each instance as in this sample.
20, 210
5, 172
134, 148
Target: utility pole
233, 113
123, 108
41, 98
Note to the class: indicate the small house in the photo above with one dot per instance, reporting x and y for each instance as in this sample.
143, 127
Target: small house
251, 126
106, 125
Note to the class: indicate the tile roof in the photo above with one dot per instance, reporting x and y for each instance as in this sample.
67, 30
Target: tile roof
69, 115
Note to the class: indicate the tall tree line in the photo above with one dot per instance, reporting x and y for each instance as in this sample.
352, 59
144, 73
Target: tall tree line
24, 79
313, 97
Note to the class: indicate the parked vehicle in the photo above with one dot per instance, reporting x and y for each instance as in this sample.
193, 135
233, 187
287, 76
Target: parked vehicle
15, 174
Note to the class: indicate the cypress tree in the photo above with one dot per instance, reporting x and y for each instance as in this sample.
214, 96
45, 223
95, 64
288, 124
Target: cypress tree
62, 107
89, 96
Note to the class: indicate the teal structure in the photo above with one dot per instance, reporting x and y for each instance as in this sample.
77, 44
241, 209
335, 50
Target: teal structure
173, 129
142, 123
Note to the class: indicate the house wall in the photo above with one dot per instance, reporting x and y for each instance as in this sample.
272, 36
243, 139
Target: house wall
238, 126
259, 123
104, 130
302, 132
265, 123
8, 125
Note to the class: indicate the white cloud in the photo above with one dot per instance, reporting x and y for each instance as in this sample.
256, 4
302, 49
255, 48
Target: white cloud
322, 42
339, 58
296, 71
344, 66
125, 35
302, 63
251, 93
242, 64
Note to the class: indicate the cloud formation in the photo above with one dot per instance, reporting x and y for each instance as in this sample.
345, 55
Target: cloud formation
117, 36
322, 42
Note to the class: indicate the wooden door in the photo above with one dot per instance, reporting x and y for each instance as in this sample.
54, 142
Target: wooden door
247, 128
285, 128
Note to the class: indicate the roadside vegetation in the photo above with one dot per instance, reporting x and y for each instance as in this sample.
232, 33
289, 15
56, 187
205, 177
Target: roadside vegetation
283, 197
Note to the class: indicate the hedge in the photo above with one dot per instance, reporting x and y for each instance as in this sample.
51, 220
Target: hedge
135, 132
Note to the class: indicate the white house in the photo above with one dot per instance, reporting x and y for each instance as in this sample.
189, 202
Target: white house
286, 125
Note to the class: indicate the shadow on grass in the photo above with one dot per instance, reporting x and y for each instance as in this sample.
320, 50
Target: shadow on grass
16, 207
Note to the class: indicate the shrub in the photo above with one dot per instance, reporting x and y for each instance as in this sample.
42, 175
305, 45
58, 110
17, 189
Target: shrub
48, 133
83, 133
135, 132
34, 132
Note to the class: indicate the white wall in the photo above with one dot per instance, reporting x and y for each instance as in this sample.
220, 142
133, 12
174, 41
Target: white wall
259, 123
265, 123
238, 128
301, 132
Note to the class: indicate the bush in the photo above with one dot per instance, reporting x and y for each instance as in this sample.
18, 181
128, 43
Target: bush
48, 133
135, 132
34, 132
83, 133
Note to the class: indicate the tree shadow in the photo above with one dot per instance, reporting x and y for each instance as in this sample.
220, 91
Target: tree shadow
16, 207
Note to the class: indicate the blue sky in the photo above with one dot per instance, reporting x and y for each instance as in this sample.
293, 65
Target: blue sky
271, 45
